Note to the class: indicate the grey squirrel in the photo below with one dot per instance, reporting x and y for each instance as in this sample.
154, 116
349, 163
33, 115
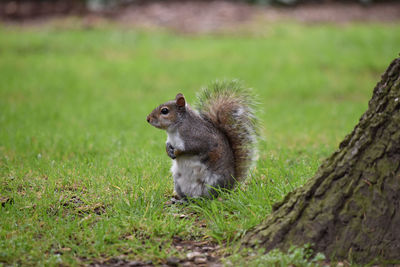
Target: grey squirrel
212, 146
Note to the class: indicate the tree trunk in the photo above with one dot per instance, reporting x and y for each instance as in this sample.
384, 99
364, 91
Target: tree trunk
350, 209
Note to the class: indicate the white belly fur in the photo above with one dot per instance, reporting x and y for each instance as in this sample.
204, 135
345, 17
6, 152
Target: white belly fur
175, 140
192, 177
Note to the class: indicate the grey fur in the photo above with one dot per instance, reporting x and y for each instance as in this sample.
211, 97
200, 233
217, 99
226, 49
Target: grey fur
213, 146
200, 137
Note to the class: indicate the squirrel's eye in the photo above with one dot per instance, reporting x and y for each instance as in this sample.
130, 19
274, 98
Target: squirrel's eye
164, 111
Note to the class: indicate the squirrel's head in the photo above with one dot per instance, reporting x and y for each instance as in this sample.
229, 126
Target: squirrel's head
166, 115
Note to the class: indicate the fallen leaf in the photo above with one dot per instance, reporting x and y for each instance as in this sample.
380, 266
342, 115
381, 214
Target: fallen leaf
6, 200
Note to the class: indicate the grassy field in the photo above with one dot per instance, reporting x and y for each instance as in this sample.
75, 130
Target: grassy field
83, 177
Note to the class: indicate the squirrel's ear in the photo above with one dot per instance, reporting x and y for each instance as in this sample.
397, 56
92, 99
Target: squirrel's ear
180, 100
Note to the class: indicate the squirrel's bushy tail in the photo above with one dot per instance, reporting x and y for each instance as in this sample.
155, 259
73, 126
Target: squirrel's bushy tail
231, 108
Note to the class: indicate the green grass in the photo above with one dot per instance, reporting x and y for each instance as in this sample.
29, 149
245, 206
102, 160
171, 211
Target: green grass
89, 177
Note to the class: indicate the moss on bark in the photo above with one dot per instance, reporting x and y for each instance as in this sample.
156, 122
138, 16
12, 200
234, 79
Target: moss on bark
351, 207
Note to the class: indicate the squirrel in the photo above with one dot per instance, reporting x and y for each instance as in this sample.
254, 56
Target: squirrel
212, 146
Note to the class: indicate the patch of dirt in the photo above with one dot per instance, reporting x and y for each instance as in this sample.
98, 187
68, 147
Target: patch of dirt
197, 253
191, 16
200, 253
121, 262
81, 207
339, 13
203, 17
199, 16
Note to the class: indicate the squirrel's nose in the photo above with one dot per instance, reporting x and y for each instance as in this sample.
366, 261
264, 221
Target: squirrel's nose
148, 118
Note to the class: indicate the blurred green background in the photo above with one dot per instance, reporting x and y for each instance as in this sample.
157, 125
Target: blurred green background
84, 178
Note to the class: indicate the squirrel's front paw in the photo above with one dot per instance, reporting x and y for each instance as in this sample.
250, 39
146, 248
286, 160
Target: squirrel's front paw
170, 151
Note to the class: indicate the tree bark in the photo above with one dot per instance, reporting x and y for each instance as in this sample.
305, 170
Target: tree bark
350, 209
